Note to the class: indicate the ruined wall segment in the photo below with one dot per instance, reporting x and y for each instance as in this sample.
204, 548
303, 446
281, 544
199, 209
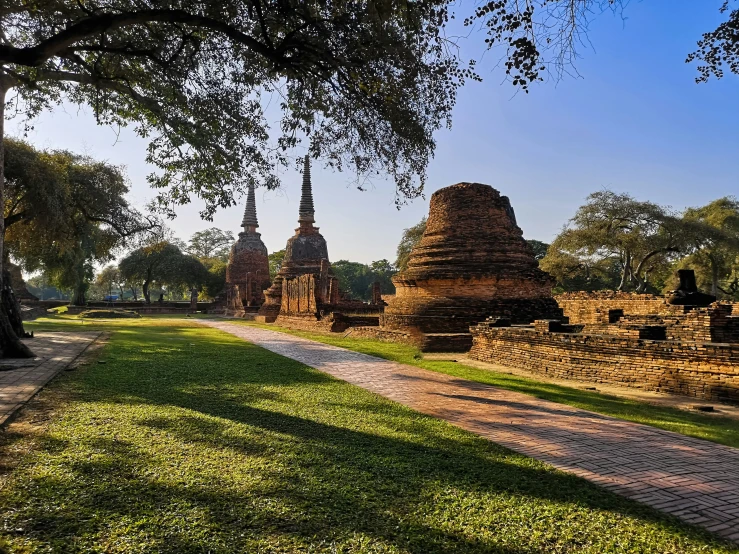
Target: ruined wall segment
472, 262
602, 306
637, 340
702, 370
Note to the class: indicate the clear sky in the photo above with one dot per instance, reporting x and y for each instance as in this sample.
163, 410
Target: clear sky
635, 121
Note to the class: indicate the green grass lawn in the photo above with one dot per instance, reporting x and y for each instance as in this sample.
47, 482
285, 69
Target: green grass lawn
188, 439
723, 430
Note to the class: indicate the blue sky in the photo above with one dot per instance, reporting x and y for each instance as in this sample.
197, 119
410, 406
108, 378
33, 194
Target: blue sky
635, 121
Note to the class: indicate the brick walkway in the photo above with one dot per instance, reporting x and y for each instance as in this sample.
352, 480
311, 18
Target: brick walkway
693, 479
20, 380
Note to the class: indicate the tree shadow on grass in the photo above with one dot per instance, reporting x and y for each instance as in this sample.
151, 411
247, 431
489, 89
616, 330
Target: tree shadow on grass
342, 465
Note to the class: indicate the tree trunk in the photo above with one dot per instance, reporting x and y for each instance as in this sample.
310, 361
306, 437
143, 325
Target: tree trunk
12, 306
10, 345
714, 276
146, 293
627, 270
80, 287
79, 295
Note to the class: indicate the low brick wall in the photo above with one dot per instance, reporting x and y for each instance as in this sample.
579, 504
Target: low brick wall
702, 370
426, 342
31, 313
595, 307
311, 324
446, 342
385, 335
332, 323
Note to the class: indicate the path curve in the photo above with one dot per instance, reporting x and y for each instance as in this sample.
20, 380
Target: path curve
693, 479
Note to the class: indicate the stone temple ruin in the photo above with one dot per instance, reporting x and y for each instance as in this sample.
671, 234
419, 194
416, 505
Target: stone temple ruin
471, 262
472, 284
247, 273
684, 344
305, 293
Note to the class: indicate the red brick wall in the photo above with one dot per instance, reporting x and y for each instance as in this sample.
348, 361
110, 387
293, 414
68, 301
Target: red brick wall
584, 307
703, 370
299, 295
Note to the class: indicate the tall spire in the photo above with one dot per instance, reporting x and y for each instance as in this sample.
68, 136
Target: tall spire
250, 222
306, 212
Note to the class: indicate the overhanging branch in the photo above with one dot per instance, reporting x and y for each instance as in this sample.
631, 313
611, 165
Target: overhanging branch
35, 56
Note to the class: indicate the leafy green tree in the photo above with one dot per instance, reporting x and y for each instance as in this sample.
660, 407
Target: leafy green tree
211, 243
538, 247
715, 255
148, 264
369, 83
216, 282
354, 278
357, 279
574, 273
410, 238
641, 239
41, 287
639, 236
182, 273
275, 263
66, 213
36, 192
383, 271
109, 278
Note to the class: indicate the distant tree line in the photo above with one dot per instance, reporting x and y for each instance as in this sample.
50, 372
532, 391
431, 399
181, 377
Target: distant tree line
169, 267
617, 242
355, 278
65, 213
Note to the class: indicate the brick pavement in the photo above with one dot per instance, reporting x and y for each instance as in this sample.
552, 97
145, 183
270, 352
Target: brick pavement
25, 378
693, 479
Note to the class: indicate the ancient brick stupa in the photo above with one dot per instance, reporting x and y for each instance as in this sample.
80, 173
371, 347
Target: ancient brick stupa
305, 251
247, 274
471, 263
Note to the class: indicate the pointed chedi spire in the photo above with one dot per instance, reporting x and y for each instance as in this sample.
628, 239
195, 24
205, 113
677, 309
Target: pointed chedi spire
250, 223
306, 212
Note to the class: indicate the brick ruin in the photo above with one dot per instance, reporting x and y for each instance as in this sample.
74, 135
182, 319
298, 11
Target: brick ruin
472, 262
305, 293
636, 340
472, 283
247, 273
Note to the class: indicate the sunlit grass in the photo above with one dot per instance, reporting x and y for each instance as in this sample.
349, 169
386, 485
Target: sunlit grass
723, 430
190, 440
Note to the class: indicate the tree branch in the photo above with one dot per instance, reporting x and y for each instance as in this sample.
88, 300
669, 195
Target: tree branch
34, 56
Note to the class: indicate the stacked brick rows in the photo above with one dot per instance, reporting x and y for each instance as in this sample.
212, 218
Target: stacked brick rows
472, 262
702, 370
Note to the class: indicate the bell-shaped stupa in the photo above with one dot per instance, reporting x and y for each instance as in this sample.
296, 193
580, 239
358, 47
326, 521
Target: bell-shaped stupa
471, 263
304, 251
247, 273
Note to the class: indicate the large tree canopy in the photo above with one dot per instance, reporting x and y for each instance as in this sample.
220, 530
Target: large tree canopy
65, 212
211, 243
165, 264
368, 82
51, 196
